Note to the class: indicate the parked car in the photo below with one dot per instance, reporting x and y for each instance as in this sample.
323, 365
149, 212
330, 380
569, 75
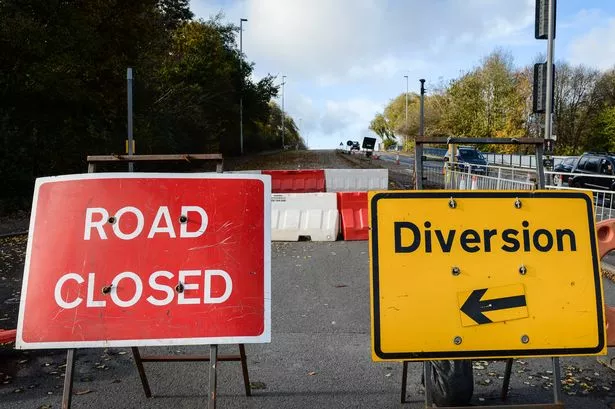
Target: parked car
592, 171
468, 156
565, 166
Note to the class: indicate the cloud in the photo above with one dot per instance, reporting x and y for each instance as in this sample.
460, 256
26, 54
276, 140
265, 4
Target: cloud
346, 58
347, 39
596, 48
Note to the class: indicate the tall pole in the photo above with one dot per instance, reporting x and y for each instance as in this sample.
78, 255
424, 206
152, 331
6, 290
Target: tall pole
406, 77
241, 90
422, 114
283, 83
130, 136
550, 48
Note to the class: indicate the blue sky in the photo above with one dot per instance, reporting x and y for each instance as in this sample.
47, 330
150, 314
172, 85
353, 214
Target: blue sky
346, 59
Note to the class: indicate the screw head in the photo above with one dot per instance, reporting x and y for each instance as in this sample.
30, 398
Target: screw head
106, 289
112, 219
183, 219
457, 340
518, 203
452, 204
522, 270
456, 271
525, 339
179, 288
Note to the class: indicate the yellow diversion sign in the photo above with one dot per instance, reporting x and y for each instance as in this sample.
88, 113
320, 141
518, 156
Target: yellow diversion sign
484, 274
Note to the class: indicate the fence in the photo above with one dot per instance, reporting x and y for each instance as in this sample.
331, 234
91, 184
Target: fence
516, 160
444, 175
604, 200
438, 174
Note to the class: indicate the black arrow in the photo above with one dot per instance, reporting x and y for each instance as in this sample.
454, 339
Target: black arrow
474, 307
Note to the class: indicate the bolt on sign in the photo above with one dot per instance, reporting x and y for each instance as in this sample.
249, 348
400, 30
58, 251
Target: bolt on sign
484, 274
147, 259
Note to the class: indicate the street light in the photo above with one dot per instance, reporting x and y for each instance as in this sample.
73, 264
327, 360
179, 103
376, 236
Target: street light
283, 83
407, 129
406, 77
422, 113
241, 90
300, 125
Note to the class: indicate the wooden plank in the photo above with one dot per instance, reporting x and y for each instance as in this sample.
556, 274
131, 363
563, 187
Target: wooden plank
154, 158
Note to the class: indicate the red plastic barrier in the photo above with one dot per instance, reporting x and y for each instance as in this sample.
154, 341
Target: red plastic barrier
7, 335
297, 181
353, 210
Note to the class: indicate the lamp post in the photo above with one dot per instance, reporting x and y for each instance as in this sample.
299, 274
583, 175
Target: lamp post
407, 129
406, 77
422, 118
283, 83
241, 90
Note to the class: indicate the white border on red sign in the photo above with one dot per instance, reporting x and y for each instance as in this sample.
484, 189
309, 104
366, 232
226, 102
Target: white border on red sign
265, 337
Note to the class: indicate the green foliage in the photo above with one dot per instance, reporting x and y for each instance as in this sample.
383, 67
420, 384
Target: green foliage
63, 86
388, 143
382, 127
495, 100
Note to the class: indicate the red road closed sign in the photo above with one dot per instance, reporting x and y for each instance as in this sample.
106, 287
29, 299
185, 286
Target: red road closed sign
147, 259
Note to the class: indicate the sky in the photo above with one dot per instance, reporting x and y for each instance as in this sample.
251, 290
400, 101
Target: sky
344, 60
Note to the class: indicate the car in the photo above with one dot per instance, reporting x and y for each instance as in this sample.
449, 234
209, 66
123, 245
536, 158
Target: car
469, 157
565, 166
592, 171
355, 146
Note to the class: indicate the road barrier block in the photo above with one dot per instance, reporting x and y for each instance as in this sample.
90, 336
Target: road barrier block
311, 216
7, 335
296, 181
356, 180
353, 211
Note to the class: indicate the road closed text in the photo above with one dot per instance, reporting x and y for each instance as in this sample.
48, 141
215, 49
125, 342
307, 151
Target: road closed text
425, 237
161, 287
127, 289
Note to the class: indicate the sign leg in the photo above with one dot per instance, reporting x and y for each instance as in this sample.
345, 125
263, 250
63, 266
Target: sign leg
67, 394
557, 382
141, 369
507, 372
244, 369
213, 362
428, 388
404, 381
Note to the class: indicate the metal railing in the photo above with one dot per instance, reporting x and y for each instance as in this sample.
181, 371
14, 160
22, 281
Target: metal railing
517, 160
604, 200
478, 177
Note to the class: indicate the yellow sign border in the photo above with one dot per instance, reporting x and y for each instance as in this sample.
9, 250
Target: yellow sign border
468, 354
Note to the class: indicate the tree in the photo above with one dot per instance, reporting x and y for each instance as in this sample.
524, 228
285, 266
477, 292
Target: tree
381, 126
603, 137
175, 12
63, 85
489, 101
575, 105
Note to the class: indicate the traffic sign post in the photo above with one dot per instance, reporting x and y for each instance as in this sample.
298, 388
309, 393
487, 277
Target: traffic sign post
484, 274
463, 275
147, 259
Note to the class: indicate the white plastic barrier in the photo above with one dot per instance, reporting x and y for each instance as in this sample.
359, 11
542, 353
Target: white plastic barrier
356, 180
255, 172
308, 215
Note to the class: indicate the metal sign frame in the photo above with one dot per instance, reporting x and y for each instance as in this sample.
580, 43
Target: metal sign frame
538, 144
213, 358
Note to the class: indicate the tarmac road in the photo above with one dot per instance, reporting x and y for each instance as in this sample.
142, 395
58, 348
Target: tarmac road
319, 356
